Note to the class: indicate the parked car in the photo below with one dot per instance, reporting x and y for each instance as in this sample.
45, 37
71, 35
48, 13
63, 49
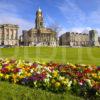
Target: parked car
8, 46
5, 46
1, 46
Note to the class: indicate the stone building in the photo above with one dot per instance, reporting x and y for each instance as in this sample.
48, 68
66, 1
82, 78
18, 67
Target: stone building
93, 37
99, 39
79, 39
8, 34
39, 36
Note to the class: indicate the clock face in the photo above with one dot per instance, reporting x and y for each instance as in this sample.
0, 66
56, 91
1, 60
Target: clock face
39, 14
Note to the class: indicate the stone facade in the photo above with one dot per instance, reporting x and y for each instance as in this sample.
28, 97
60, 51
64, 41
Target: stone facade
39, 36
93, 37
8, 34
79, 39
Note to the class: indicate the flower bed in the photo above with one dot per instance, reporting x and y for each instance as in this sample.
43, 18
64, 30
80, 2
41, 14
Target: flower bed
78, 79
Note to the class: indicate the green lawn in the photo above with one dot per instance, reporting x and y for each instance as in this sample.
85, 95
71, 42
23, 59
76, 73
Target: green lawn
17, 92
57, 54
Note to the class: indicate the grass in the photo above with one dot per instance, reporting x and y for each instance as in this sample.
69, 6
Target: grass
17, 92
56, 54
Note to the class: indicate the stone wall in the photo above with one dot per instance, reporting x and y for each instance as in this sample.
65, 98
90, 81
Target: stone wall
75, 39
41, 39
9, 34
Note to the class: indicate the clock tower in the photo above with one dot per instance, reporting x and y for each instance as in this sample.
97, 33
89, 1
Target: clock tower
39, 19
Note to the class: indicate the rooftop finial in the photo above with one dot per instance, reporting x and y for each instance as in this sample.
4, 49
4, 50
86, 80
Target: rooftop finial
39, 10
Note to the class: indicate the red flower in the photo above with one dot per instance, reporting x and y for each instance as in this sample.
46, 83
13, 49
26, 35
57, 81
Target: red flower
4, 70
16, 70
98, 68
5, 65
79, 74
87, 70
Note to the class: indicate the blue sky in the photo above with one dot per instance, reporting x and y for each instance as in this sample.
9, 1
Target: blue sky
70, 15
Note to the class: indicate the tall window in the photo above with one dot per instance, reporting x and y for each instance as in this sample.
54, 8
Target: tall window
7, 35
12, 34
16, 34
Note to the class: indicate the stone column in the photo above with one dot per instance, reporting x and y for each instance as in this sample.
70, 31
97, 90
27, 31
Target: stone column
17, 37
10, 36
5, 33
1, 35
14, 36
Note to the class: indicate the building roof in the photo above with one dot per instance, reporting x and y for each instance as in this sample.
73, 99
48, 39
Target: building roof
9, 25
41, 30
74, 33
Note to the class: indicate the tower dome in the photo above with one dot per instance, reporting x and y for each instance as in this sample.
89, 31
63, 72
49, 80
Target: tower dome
39, 10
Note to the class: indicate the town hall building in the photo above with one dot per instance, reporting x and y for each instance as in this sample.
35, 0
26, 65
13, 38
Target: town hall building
40, 35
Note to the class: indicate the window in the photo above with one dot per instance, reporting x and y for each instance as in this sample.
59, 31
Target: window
7, 35
11, 34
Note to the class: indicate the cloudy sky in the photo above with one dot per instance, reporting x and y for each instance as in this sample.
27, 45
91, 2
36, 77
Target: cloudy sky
70, 15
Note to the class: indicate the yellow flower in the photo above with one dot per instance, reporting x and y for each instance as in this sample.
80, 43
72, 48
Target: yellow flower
61, 78
64, 82
1, 74
21, 76
27, 74
93, 74
9, 67
67, 80
14, 76
55, 74
6, 76
72, 65
57, 84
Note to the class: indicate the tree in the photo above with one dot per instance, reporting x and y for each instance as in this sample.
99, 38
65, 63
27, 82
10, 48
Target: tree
56, 28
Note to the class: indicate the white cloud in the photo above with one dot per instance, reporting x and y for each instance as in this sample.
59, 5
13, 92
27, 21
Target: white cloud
13, 19
72, 13
74, 29
77, 19
9, 15
4, 7
94, 17
48, 20
79, 30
